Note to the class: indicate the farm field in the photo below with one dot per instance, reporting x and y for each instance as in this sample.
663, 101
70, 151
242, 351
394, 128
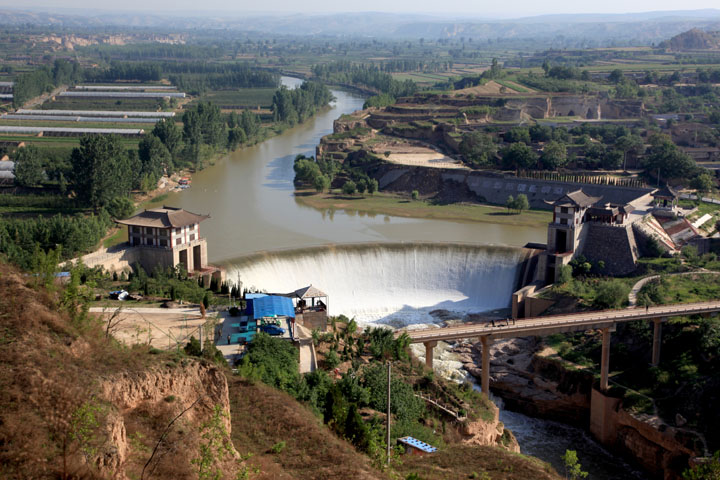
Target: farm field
79, 103
239, 99
51, 123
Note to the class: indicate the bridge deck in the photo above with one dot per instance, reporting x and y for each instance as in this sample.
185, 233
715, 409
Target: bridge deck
559, 323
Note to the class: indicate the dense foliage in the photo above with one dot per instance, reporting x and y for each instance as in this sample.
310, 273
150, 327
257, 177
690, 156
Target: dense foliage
297, 105
22, 239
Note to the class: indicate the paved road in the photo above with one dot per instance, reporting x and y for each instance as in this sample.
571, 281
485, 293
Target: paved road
195, 311
559, 323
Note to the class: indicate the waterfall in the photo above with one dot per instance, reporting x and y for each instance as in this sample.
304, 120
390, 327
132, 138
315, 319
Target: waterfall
398, 284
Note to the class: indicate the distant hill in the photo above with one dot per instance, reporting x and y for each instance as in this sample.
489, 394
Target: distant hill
594, 30
694, 39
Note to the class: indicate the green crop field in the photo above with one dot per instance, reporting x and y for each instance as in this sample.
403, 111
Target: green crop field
52, 123
240, 99
89, 103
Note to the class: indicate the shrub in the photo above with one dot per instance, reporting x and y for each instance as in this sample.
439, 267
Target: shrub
415, 194
349, 188
611, 294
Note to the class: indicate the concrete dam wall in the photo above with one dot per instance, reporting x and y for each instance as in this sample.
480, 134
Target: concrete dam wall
396, 284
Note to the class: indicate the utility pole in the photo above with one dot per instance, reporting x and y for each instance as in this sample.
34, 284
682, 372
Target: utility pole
388, 414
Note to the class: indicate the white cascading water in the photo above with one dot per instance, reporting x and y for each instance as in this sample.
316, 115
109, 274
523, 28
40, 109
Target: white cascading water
396, 284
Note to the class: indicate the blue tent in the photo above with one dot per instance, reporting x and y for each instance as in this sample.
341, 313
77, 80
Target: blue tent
271, 306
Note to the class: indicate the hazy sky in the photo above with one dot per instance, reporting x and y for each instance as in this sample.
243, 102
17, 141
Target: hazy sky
494, 8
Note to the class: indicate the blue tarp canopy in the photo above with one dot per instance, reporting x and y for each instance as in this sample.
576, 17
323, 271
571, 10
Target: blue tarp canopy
271, 306
251, 296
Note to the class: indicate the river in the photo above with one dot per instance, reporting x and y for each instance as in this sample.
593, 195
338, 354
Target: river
250, 197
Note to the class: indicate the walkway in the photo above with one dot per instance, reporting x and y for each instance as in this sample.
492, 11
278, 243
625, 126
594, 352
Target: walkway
632, 296
604, 320
191, 311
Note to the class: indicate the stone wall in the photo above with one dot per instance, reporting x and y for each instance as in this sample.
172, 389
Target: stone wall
663, 450
614, 245
494, 188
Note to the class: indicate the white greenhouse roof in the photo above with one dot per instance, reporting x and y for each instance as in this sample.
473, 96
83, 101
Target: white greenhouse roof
95, 113
119, 131
123, 94
7, 166
7, 84
7, 175
124, 87
6, 95
67, 118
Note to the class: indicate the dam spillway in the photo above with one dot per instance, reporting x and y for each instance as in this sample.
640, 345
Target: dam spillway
395, 284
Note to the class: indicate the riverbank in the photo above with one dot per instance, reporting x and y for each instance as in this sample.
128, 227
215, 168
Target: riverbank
382, 203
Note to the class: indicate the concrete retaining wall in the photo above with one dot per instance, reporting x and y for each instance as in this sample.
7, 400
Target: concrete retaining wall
495, 188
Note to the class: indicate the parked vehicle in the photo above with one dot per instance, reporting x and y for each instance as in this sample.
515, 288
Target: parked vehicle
272, 330
119, 295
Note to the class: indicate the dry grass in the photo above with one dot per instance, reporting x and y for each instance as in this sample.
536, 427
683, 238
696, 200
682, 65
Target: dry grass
263, 416
50, 366
463, 462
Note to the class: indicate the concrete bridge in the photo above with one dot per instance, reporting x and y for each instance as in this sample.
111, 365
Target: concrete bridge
604, 320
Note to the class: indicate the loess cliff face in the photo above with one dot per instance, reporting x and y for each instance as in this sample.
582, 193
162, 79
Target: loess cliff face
76, 404
144, 399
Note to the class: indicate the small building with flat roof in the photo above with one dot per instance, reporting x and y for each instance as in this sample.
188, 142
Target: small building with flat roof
413, 446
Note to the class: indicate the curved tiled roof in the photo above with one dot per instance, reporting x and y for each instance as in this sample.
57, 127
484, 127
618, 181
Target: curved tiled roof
165, 217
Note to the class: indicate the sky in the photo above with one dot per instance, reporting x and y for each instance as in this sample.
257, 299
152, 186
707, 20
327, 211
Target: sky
478, 8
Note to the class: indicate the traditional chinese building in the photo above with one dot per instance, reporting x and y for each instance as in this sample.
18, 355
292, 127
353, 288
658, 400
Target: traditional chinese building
600, 232
168, 237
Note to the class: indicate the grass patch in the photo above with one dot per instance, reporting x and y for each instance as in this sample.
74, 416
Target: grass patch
401, 206
116, 238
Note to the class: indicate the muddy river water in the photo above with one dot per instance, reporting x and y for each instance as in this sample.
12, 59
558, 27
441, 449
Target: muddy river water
249, 195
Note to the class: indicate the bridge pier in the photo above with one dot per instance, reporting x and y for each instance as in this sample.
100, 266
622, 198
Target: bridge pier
657, 340
605, 359
485, 376
429, 353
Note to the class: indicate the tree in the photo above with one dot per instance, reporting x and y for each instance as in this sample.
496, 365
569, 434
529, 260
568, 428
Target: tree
665, 157
702, 183
540, 133
478, 148
510, 203
170, 135
100, 170
612, 160
415, 195
611, 294
28, 166
349, 188
518, 155
155, 159
616, 76
372, 186
518, 134
321, 183
629, 144
120, 207
521, 203
573, 469
564, 274
554, 155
